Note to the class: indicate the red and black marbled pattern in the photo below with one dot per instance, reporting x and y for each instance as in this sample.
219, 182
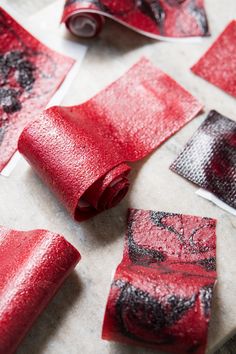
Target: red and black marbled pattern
161, 293
29, 75
153, 18
209, 158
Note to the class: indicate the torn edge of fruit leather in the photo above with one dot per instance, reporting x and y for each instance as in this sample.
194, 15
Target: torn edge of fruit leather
218, 64
209, 160
81, 151
34, 264
162, 290
34, 74
158, 19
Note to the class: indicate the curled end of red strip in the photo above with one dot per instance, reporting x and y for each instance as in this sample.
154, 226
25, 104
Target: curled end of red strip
105, 193
85, 25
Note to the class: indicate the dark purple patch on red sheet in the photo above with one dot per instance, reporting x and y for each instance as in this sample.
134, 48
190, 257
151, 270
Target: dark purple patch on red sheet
218, 65
153, 18
209, 158
30, 73
162, 290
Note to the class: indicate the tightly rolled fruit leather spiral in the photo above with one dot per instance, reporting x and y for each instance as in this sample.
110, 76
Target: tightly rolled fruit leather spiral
85, 25
75, 175
107, 191
157, 19
81, 151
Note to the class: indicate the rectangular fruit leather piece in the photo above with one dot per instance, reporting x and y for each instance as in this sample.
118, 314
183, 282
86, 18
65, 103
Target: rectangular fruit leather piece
30, 73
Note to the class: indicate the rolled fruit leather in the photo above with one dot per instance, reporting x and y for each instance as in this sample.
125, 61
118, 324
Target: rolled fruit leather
81, 151
34, 264
159, 19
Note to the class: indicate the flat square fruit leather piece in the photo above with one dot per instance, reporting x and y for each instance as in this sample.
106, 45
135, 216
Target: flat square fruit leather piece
81, 151
161, 293
218, 65
209, 158
30, 73
34, 264
154, 18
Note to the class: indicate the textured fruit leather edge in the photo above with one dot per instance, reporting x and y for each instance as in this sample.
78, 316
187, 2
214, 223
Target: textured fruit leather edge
59, 95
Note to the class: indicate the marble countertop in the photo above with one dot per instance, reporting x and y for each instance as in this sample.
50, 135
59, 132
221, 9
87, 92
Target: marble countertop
72, 321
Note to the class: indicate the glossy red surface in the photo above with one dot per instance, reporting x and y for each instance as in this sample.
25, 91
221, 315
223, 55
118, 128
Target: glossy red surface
209, 158
166, 18
30, 73
218, 65
161, 293
34, 264
80, 151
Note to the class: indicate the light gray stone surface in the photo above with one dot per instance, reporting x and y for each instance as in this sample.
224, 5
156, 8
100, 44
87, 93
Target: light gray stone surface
72, 322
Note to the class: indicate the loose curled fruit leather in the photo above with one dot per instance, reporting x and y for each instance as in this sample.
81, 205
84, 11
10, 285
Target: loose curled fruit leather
34, 264
218, 65
153, 18
161, 293
209, 158
30, 73
81, 151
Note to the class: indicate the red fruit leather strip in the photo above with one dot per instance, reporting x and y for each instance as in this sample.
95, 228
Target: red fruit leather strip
218, 65
209, 158
30, 73
162, 289
80, 151
34, 264
153, 18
